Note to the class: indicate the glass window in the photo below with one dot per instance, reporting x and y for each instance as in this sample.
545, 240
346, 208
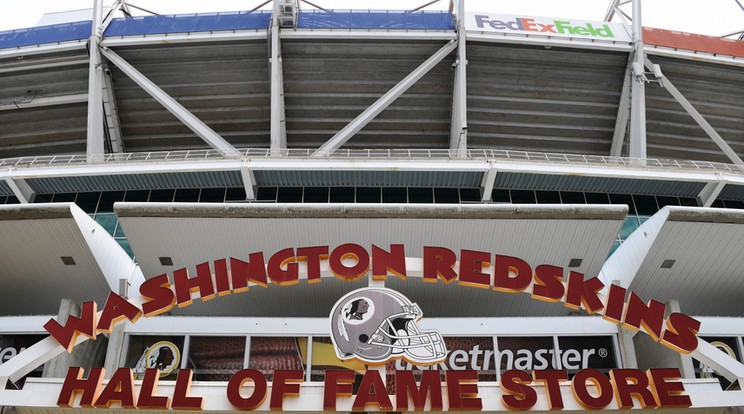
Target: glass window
12, 200
212, 195
728, 346
88, 201
446, 196
734, 204
11, 345
368, 195
108, 198
124, 243
623, 199
667, 201
65, 198
717, 203
3, 200
289, 195
137, 195
688, 201
548, 197
187, 195
342, 194
107, 221
523, 197
629, 226
579, 352
470, 195
271, 353
41, 198
154, 351
316, 194
526, 353
266, 194
597, 198
500, 196
162, 196
572, 197
236, 194
645, 205
324, 358
420, 195
394, 195
216, 358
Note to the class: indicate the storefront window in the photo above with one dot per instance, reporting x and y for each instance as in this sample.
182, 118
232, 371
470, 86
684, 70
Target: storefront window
215, 358
161, 352
725, 344
12, 345
272, 353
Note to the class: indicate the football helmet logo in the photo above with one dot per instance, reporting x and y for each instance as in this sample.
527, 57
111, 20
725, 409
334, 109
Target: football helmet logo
375, 325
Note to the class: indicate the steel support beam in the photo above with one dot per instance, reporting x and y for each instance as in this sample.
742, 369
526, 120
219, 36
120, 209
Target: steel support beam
637, 142
389, 97
95, 137
623, 111
278, 120
21, 189
110, 15
710, 192
249, 181
46, 101
489, 177
459, 122
610, 13
114, 138
677, 95
192, 122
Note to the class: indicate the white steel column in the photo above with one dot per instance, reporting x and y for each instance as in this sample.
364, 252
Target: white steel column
192, 122
637, 142
249, 182
95, 136
111, 112
677, 95
489, 177
389, 97
623, 111
278, 120
21, 189
710, 192
459, 122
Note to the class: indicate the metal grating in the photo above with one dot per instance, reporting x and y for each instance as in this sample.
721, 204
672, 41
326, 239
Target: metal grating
136, 181
369, 178
596, 184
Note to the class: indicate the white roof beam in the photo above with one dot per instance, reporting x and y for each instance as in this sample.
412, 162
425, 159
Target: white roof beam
95, 137
111, 111
192, 122
46, 101
249, 181
278, 120
459, 120
637, 142
21, 189
710, 192
623, 111
717, 139
118, 4
489, 178
610, 13
370, 113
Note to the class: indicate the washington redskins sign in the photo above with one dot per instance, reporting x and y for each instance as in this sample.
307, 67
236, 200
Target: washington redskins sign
376, 325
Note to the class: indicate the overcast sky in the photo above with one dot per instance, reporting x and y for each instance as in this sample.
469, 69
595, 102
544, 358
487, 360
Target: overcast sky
712, 17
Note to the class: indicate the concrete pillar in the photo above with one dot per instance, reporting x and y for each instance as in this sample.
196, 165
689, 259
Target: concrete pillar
86, 355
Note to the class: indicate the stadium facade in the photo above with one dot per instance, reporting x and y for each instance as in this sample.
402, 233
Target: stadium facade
563, 200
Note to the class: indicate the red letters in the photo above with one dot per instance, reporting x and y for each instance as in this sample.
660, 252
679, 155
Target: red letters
259, 389
74, 384
286, 382
503, 281
74, 326
353, 251
160, 297
439, 262
337, 384
462, 390
518, 395
384, 262
405, 386
471, 269
372, 391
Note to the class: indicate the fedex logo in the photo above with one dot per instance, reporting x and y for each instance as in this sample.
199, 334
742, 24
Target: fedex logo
542, 26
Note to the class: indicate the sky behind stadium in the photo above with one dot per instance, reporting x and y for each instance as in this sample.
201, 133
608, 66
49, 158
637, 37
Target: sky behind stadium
711, 17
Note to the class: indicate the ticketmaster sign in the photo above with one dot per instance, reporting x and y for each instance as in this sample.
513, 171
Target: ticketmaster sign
545, 26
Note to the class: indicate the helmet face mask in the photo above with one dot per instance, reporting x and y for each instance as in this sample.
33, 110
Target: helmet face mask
375, 325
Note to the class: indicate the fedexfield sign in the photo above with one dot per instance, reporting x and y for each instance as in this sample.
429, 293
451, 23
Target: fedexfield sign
376, 325
543, 26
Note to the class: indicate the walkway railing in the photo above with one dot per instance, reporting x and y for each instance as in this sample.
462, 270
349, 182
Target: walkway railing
376, 154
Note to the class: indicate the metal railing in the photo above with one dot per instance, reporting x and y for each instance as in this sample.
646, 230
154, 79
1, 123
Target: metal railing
376, 154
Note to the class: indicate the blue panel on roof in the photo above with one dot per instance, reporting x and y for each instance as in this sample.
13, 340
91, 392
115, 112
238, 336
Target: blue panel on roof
375, 19
45, 34
208, 22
